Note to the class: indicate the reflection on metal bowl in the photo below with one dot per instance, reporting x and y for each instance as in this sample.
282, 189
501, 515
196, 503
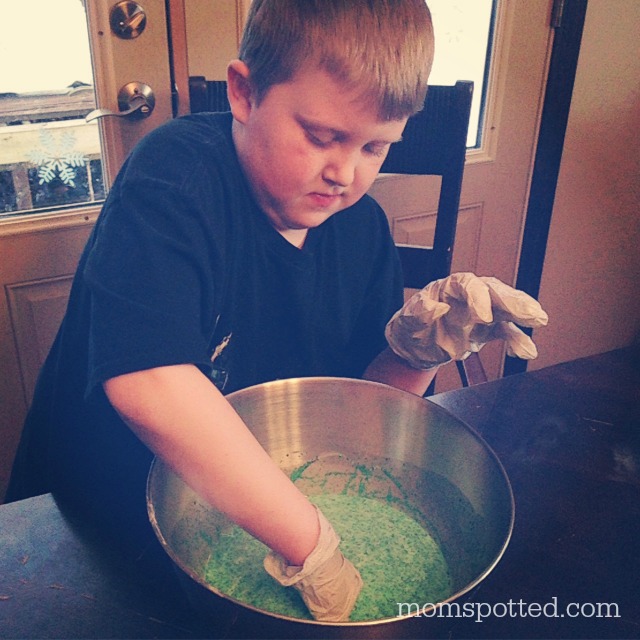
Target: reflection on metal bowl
446, 471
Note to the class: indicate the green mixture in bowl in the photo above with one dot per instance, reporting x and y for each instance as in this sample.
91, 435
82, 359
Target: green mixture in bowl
397, 557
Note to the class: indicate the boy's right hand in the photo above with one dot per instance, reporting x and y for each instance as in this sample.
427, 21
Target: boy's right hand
328, 583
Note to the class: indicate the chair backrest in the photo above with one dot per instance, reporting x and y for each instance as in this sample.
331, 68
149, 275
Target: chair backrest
434, 142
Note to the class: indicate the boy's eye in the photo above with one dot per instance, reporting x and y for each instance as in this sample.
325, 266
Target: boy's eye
318, 140
376, 149
323, 139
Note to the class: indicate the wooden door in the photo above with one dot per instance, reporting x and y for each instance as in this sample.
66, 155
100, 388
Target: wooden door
55, 168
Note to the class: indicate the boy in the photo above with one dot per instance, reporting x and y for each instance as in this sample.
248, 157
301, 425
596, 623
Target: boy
234, 249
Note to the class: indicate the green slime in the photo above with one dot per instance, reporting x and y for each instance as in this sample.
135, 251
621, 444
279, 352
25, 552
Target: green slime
397, 557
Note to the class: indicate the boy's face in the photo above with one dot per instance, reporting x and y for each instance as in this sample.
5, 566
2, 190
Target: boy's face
310, 149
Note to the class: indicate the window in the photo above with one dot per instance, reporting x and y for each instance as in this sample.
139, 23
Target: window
49, 156
464, 33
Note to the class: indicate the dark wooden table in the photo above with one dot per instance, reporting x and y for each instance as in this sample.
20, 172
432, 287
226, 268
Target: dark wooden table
569, 439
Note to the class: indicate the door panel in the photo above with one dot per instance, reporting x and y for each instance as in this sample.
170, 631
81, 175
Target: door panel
35, 309
38, 262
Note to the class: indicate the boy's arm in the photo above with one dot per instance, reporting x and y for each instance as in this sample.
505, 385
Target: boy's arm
389, 368
181, 416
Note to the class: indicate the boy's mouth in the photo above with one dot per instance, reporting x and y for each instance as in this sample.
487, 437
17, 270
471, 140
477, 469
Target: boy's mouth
325, 200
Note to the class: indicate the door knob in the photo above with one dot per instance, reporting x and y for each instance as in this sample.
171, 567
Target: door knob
135, 101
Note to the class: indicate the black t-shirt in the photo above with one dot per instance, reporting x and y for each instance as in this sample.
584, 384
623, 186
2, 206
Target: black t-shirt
183, 267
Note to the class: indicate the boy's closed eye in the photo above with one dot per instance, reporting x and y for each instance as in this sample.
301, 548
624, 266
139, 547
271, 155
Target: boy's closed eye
377, 149
319, 135
322, 138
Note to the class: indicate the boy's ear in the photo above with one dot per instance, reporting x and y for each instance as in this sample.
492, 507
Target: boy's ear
239, 90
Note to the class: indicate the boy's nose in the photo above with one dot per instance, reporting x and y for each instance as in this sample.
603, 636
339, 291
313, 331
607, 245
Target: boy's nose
340, 169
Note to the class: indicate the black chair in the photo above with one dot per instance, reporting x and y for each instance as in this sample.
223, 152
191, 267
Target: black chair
207, 95
434, 142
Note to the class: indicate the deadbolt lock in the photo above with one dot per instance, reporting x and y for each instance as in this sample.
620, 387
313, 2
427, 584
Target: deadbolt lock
127, 19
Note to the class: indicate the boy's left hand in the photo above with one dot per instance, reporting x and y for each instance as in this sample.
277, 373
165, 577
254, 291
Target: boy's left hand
455, 316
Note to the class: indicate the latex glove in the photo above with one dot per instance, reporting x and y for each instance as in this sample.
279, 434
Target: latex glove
455, 316
328, 583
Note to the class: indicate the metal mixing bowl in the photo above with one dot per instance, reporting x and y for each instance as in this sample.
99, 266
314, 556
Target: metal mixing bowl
449, 472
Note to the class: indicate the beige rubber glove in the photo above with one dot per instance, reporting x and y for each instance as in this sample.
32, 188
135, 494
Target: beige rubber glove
455, 316
328, 583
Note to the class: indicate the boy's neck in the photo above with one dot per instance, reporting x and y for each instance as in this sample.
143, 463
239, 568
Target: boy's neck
296, 237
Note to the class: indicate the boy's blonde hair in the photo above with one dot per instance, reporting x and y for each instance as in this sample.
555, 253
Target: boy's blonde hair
383, 47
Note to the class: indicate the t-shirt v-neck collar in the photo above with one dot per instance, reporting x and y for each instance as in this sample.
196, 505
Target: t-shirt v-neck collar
285, 250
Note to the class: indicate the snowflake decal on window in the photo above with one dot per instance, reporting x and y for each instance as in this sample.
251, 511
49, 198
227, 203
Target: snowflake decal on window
57, 157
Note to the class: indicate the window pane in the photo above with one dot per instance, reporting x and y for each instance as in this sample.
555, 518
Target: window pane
463, 30
49, 156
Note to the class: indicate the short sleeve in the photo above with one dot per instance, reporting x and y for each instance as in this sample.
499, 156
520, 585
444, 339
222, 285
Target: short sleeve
154, 270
